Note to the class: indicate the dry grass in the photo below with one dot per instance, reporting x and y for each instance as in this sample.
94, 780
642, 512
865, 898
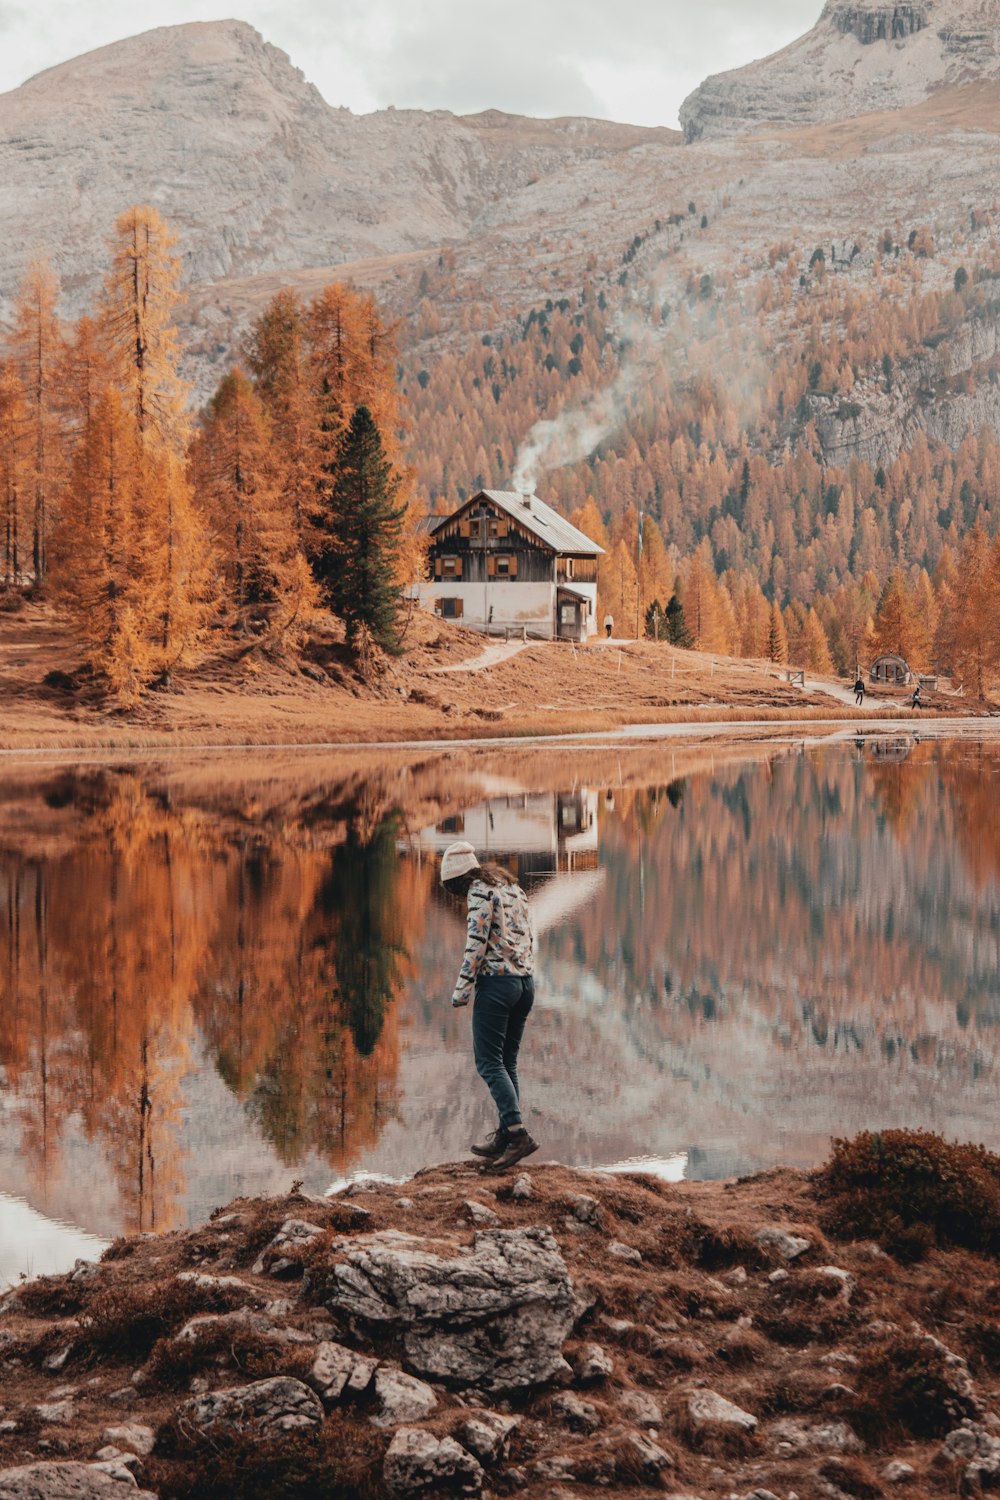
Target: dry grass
244, 698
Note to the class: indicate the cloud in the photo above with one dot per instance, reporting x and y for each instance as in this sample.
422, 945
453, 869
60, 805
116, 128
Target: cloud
539, 57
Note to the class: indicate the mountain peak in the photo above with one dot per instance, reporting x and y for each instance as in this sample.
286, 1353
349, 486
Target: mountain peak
862, 56
197, 52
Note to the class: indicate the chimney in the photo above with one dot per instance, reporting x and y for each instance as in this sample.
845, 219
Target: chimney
527, 501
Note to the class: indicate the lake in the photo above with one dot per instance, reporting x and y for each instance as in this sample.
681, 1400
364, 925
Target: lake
222, 975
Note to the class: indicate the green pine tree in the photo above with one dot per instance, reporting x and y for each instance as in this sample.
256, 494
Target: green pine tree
357, 533
678, 633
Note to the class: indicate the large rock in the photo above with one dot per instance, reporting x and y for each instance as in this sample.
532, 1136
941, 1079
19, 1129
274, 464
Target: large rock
496, 1318
401, 1398
267, 1406
789, 1246
337, 1371
707, 1408
805, 1436
133, 1436
68, 1481
488, 1435
292, 1234
418, 1463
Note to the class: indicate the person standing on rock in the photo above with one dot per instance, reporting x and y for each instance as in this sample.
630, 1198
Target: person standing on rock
497, 974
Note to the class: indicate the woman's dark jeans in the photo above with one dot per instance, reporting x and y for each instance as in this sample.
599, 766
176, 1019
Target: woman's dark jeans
499, 1013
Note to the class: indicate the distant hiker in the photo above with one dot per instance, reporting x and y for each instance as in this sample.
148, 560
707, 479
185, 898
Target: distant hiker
498, 971
916, 697
859, 690
609, 625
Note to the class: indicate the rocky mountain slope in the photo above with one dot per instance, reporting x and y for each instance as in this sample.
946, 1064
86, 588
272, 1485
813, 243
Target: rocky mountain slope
465, 226
862, 56
255, 171
550, 1334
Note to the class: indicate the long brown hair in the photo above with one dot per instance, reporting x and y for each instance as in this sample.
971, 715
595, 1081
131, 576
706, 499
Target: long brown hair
489, 874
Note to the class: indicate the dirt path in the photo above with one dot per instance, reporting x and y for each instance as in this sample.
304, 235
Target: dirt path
846, 695
490, 656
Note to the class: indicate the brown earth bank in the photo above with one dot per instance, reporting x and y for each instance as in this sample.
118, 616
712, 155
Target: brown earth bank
543, 1333
449, 684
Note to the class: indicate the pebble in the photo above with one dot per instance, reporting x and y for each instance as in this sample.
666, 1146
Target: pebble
522, 1187
897, 1473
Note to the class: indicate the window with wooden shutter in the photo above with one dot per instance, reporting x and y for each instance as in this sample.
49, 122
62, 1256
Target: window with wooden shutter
437, 567
491, 566
513, 567
502, 528
465, 528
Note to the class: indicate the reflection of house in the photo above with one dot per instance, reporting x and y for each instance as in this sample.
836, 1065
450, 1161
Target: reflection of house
890, 669
536, 833
508, 561
890, 750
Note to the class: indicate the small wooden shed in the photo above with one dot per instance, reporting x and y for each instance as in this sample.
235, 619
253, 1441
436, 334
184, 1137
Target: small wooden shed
890, 670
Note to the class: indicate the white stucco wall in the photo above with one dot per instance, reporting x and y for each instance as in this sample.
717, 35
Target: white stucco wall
532, 605
515, 604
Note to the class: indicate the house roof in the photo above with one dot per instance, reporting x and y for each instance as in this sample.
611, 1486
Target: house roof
541, 520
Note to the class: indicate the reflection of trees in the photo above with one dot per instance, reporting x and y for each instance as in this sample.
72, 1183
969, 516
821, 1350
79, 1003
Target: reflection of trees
148, 923
327, 1079
821, 894
360, 942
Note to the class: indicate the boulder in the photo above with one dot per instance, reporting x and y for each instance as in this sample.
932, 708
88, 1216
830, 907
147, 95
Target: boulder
132, 1436
789, 1246
496, 1318
68, 1481
228, 1285
816, 1437
266, 1406
242, 1320
642, 1408
592, 1362
56, 1413
401, 1398
839, 1278
898, 1473
648, 1456
584, 1208
293, 1232
625, 1252
338, 1371
979, 1449
480, 1214
417, 1463
576, 1413
708, 1408
487, 1435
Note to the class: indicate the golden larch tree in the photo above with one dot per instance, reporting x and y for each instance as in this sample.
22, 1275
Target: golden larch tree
36, 347
14, 472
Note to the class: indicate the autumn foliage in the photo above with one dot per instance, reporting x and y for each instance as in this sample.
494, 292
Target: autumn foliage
160, 535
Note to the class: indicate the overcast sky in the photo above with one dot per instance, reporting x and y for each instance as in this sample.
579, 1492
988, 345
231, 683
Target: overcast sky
630, 61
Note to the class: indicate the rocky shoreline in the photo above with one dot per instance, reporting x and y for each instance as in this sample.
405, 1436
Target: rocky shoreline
550, 1333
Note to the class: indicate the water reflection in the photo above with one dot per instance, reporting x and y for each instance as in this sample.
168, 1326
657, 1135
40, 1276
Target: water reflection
208, 991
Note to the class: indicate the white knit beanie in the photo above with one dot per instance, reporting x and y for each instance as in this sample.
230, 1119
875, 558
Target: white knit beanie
458, 859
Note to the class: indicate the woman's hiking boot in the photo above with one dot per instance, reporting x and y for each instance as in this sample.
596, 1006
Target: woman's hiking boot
495, 1146
519, 1145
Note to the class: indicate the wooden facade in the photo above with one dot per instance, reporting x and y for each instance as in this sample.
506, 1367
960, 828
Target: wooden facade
536, 571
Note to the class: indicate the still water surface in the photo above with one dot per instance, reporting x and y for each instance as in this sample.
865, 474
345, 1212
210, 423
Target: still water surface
216, 983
